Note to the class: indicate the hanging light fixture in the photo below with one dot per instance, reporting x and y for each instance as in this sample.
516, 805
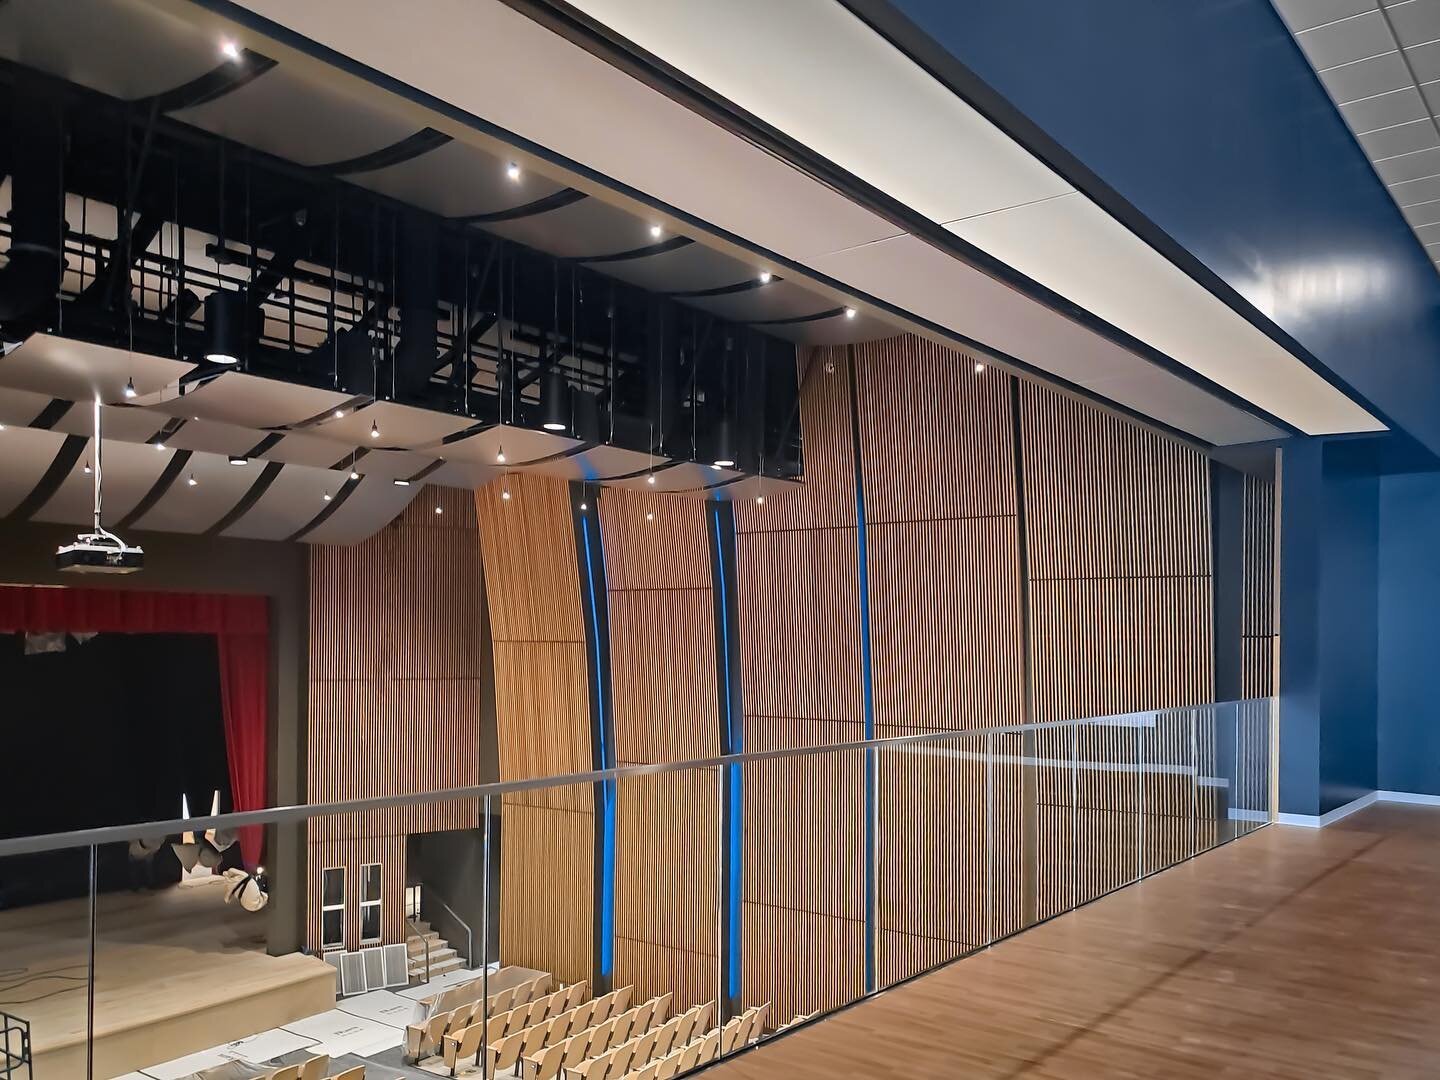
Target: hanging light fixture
129, 390
239, 459
224, 326
500, 456
724, 444
192, 482
555, 401
374, 430
354, 475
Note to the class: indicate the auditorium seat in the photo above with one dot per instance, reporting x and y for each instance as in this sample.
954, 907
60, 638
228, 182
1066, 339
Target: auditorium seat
314, 1068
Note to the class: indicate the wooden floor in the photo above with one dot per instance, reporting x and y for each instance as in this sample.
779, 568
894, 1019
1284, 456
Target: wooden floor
1293, 953
176, 971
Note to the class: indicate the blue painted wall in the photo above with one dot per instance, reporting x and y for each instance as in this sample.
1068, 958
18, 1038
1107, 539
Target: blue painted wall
1301, 506
1409, 634
1206, 117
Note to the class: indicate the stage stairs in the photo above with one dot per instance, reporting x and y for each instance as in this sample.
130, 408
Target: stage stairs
442, 957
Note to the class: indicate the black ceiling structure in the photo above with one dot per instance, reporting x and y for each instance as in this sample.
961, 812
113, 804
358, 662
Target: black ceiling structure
124, 220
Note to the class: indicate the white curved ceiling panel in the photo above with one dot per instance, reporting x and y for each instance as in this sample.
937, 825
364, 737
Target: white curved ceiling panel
301, 448
587, 227
458, 180
120, 47
401, 426
284, 113
18, 408
293, 498
130, 470
234, 397
519, 445
373, 504
78, 370
207, 436
187, 508
683, 270
127, 425
25, 454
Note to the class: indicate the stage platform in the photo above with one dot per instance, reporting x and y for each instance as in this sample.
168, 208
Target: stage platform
177, 971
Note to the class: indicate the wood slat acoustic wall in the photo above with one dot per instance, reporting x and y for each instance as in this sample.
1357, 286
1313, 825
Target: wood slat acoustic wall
937, 456
666, 708
803, 938
1257, 630
543, 723
394, 694
1118, 527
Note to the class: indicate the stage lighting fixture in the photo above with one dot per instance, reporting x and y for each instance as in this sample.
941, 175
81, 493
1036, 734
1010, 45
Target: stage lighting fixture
555, 401
224, 326
239, 459
724, 437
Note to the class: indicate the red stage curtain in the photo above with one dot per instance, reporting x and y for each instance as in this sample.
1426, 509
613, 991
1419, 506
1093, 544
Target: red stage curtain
241, 625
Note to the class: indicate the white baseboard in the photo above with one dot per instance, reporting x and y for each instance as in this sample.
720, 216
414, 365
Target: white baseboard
1312, 821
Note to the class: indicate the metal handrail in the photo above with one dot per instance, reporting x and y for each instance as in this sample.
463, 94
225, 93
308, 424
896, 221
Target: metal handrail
431, 894
285, 814
423, 941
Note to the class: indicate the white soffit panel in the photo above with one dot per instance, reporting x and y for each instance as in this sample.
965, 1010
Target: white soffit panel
1072, 246
596, 115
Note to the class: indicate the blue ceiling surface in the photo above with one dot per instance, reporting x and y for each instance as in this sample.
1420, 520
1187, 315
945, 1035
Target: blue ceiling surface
1206, 119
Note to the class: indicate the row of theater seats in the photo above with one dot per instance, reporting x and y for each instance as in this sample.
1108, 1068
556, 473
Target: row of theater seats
315, 1068
529, 1027
683, 1056
460, 1007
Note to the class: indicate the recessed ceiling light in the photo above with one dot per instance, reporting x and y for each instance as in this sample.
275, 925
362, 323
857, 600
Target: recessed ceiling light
512, 171
400, 481
656, 232
849, 313
765, 277
724, 463
230, 50
553, 425
716, 466
374, 430
129, 390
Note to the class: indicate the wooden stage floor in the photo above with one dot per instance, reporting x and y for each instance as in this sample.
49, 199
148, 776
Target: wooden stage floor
176, 971
1291, 953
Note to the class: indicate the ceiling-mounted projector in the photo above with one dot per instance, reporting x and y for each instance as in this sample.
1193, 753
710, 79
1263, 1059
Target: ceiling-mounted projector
101, 551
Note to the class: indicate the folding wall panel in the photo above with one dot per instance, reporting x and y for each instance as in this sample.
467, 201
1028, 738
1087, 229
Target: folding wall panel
665, 694
394, 694
543, 722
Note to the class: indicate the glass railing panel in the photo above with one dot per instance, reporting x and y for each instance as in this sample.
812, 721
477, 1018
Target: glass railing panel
945, 815
808, 884
1170, 788
1247, 771
45, 962
1107, 815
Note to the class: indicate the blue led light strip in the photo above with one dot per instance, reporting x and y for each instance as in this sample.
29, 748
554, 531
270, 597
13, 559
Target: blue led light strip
733, 737
607, 761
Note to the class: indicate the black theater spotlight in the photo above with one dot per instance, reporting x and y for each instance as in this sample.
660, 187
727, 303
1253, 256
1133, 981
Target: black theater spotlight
555, 401
224, 326
723, 438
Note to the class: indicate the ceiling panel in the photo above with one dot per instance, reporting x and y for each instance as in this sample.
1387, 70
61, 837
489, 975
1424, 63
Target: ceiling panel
130, 470
588, 227
684, 270
519, 444
1347, 40
1415, 21
399, 425
79, 371
296, 117
458, 180
193, 508
1385, 110
293, 498
372, 505
1304, 14
778, 300
234, 397
126, 424
1367, 77
1424, 61
26, 453
18, 408
1400, 139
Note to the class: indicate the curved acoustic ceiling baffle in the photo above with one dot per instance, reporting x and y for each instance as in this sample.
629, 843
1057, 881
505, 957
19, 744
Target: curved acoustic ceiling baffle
894, 252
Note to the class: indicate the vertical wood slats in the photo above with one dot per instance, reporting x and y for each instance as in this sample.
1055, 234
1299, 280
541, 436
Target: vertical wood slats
1257, 631
543, 725
394, 692
666, 708
803, 936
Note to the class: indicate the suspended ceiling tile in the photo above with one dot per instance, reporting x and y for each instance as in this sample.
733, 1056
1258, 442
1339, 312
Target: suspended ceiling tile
1385, 110
1400, 139
299, 448
458, 180
462, 474
1410, 192
1059, 243
866, 106
124, 48
116, 423
1425, 61
393, 464
295, 496
1365, 78
129, 471
1415, 21
187, 508
299, 118
210, 437
251, 401
1347, 40
26, 453
78, 370
372, 505
1304, 14
1409, 166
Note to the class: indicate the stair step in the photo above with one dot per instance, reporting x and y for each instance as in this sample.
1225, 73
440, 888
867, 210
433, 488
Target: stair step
436, 956
416, 946
437, 967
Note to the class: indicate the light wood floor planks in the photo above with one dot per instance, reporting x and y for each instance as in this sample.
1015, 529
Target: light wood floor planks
1291, 953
